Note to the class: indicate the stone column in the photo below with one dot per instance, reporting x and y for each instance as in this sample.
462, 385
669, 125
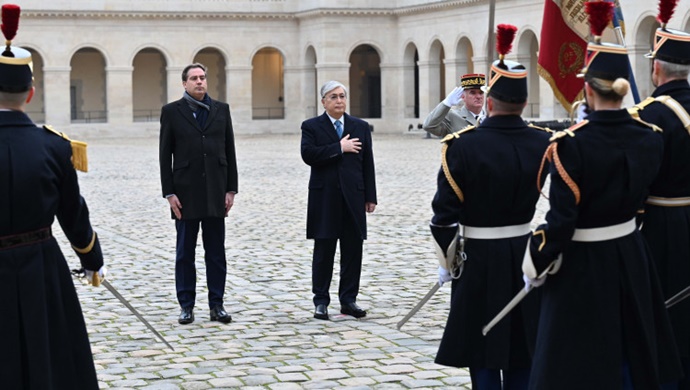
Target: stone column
56, 82
428, 96
293, 99
119, 94
239, 93
175, 88
392, 94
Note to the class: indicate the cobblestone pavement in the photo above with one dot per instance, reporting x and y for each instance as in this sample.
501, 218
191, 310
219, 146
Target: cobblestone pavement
273, 341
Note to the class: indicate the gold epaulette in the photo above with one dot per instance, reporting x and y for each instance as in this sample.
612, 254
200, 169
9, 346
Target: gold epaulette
455, 135
569, 131
650, 125
634, 111
79, 158
546, 129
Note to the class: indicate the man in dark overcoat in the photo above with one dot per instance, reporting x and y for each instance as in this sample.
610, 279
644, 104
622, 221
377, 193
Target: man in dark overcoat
199, 180
42, 331
342, 188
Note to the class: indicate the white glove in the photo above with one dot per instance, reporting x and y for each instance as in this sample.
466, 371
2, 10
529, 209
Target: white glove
453, 98
532, 283
443, 276
95, 278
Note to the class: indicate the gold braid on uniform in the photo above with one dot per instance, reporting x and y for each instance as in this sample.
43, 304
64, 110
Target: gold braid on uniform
449, 177
80, 160
563, 173
444, 163
551, 154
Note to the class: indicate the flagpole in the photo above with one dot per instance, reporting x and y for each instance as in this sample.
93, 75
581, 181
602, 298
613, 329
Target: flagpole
621, 40
490, 42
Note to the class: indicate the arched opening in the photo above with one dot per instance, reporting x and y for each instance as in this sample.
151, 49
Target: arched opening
463, 55
87, 88
267, 85
365, 82
36, 109
437, 72
215, 72
411, 81
528, 49
643, 66
149, 85
311, 93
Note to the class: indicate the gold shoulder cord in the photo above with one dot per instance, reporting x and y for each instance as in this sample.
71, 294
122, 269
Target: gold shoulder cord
444, 163
546, 129
551, 155
677, 109
80, 160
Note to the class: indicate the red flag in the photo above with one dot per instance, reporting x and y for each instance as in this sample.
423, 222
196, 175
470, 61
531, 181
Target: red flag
562, 51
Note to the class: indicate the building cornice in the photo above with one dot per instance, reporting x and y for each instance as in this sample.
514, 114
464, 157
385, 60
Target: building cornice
305, 14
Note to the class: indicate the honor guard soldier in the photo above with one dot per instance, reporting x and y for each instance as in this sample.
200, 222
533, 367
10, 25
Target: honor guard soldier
602, 323
42, 331
487, 192
666, 221
444, 119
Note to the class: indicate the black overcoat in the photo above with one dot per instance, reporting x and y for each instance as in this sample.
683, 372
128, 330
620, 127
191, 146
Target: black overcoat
337, 177
604, 307
198, 165
496, 167
42, 331
667, 229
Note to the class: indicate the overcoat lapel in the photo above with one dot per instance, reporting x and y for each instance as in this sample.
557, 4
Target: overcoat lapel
188, 114
328, 127
211, 114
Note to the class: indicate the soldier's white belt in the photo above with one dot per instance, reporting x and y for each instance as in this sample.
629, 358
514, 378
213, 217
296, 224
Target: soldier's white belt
494, 233
668, 202
605, 233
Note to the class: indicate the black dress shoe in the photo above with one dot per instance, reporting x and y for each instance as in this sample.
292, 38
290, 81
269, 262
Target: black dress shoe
321, 312
353, 310
186, 315
219, 314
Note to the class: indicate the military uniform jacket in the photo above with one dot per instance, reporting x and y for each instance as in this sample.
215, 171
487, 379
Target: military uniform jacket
496, 167
443, 120
337, 177
667, 229
42, 332
604, 305
198, 165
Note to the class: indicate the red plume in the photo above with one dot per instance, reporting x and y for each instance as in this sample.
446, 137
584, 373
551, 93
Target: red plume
505, 33
666, 8
600, 14
10, 20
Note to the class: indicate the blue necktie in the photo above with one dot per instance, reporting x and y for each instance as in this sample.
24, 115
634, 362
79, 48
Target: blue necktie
339, 128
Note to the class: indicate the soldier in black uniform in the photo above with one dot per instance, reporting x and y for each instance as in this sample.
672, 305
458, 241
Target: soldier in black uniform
666, 221
602, 323
42, 331
487, 186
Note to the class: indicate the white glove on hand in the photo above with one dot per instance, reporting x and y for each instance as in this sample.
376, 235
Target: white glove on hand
453, 98
95, 278
532, 283
443, 276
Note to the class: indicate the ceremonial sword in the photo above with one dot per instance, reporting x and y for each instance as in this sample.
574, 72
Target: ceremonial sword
678, 297
419, 305
81, 273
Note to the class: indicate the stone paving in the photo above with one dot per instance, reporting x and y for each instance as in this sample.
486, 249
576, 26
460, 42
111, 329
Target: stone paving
273, 341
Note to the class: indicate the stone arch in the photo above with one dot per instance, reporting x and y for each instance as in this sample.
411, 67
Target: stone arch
88, 89
364, 98
268, 75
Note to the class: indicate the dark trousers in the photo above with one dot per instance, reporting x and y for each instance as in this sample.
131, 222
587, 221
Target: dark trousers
488, 379
350, 264
213, 237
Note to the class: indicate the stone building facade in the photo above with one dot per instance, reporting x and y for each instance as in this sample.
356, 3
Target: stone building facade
106, 65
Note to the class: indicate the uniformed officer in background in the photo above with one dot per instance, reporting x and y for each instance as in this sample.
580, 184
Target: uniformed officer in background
487, 185
42, 331
666, 221
445, 119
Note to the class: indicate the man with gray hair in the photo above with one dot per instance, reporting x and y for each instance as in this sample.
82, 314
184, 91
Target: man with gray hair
666, 220
342, 189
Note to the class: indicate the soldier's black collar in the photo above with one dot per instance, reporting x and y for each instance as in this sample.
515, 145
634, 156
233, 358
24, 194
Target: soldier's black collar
670, 86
